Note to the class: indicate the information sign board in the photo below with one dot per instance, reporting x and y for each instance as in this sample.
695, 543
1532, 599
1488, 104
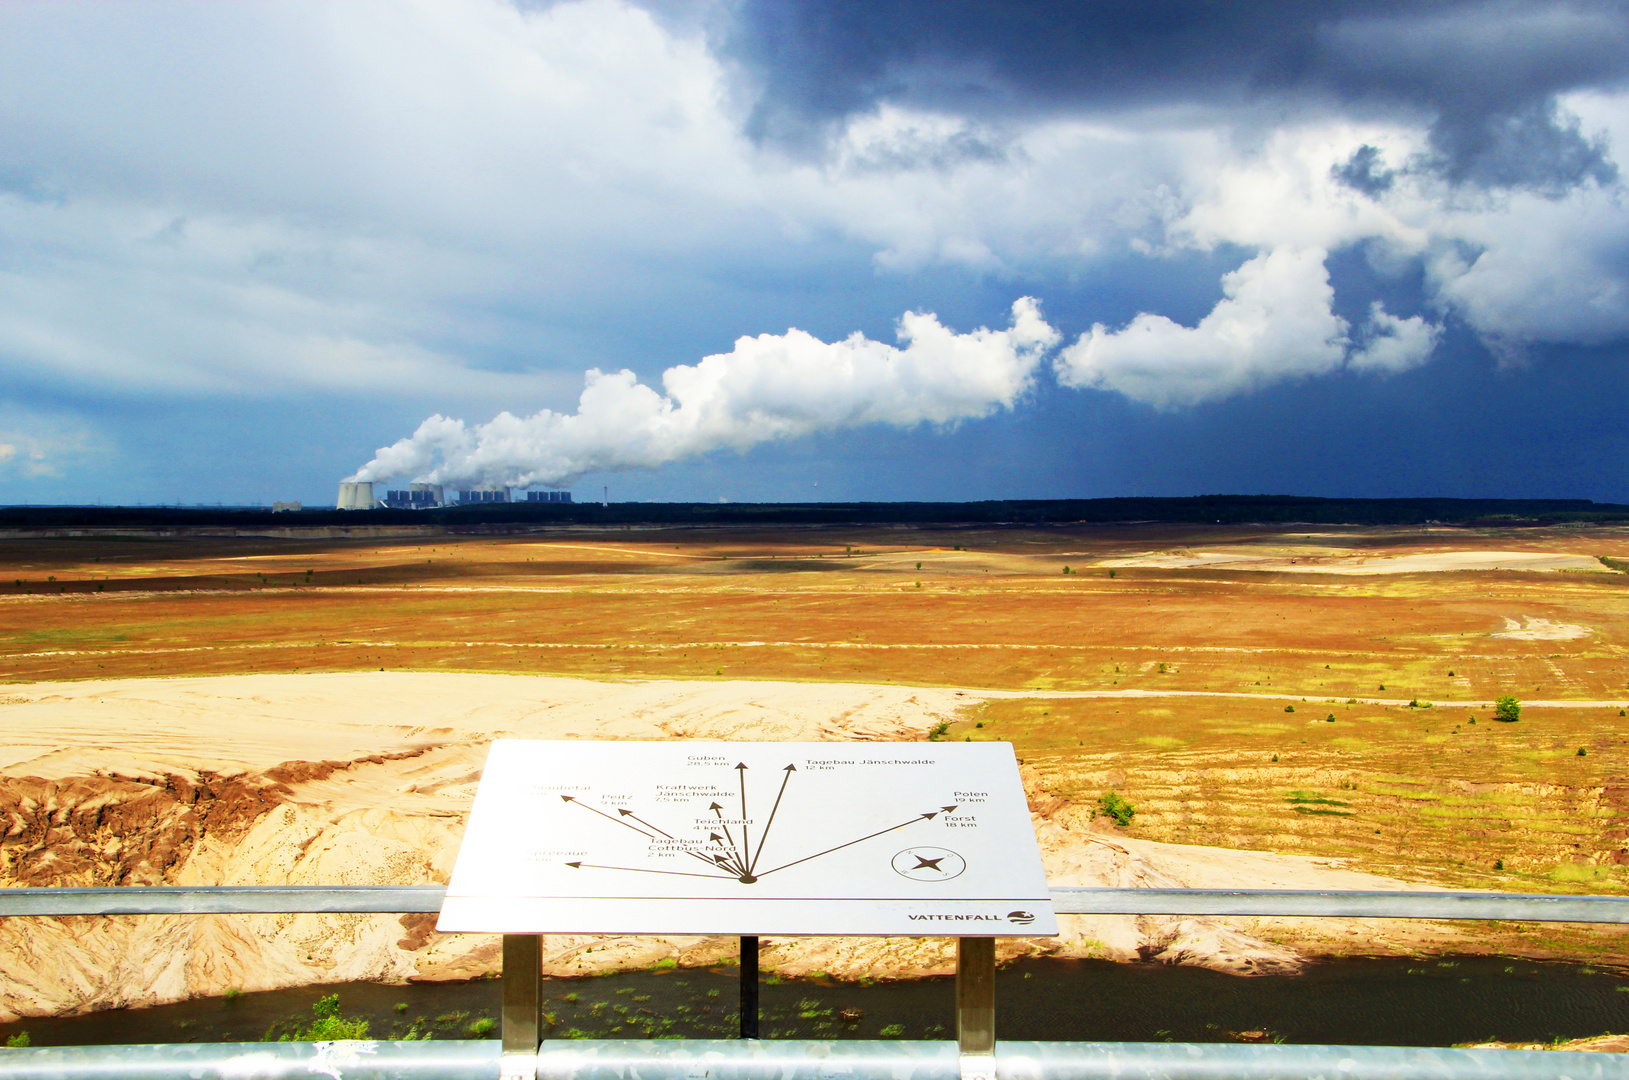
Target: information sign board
749, 838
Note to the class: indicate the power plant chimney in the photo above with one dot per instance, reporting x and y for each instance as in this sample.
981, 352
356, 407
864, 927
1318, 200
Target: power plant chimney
355, 496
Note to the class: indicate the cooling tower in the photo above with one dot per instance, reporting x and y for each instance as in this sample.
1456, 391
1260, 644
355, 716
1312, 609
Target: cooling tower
355, 497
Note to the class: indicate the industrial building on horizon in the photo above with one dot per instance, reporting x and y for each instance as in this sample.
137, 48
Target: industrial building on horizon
358, 495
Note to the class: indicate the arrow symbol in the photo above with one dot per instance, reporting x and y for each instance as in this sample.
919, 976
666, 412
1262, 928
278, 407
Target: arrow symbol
608, 817
718, 811
764, 836
642, 821
948, 809
638, 870
851, 843
746, 840
715, 838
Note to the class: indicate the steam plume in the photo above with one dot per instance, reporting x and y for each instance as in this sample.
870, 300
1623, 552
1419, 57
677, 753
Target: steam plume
769, 387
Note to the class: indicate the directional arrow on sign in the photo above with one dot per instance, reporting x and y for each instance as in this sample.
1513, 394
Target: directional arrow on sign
920, 817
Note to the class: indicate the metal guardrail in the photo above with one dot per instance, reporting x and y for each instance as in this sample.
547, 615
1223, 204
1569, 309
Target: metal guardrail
977, 1055
799, 1060
393, 899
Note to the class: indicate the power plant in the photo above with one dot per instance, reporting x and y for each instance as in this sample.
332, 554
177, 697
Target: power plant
358, 495
416, 497
354, 496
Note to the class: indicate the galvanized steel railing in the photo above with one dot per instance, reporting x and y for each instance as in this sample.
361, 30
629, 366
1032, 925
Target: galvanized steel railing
799, 1060
401, 899
976, 1055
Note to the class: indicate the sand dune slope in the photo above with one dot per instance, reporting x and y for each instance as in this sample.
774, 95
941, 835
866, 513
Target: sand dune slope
366, 778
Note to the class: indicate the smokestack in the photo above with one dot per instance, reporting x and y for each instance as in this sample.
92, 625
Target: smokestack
355, 496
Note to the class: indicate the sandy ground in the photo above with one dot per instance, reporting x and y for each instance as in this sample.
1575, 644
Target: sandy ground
1417, 563
365, 778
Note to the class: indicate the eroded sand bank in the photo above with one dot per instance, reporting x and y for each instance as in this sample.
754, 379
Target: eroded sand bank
365, 778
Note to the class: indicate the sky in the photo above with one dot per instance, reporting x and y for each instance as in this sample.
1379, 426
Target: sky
790, 250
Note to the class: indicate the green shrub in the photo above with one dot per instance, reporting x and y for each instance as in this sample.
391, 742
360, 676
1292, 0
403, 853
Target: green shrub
1582, 752
18, 1041
328, 1027
892, 1031
1112, 805
481, 1028
1289, 708
1507, 708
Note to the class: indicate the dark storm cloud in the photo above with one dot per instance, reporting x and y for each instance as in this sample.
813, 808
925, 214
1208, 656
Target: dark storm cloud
1364, 172
1485, 75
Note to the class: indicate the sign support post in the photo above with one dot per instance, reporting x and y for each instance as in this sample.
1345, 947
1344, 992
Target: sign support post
975, 1007
522, 1005
749, 987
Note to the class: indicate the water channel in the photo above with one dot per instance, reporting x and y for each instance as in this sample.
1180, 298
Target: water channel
1434, 1002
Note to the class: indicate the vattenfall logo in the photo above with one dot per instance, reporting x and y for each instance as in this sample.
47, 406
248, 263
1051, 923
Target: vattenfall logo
1022, 918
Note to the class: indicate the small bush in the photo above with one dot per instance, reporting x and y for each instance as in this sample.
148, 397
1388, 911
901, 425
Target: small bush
481, 1028
1330, 719
1111, 573
938, 731
1289, 708
329, 1026
892, 1031
232, 994
18, 1041
666, 963
1582, 752
1507, 708
1112, 805
1498, 864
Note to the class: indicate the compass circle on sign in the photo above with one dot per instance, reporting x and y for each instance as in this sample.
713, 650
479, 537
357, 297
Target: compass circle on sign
928, 864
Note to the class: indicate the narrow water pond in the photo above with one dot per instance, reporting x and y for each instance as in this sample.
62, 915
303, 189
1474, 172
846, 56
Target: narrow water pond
1435, 1002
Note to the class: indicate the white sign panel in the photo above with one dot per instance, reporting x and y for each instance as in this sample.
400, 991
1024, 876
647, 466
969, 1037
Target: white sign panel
749, 838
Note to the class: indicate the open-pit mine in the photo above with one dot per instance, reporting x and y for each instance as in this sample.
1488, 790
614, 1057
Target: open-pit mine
1283, 707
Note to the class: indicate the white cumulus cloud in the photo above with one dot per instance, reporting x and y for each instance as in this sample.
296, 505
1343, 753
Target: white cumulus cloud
1395, 344
773, 386
1274, 322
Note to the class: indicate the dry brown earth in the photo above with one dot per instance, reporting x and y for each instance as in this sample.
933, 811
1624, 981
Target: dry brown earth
1164, 665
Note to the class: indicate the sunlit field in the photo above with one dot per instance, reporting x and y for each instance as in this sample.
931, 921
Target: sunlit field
1322, 692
